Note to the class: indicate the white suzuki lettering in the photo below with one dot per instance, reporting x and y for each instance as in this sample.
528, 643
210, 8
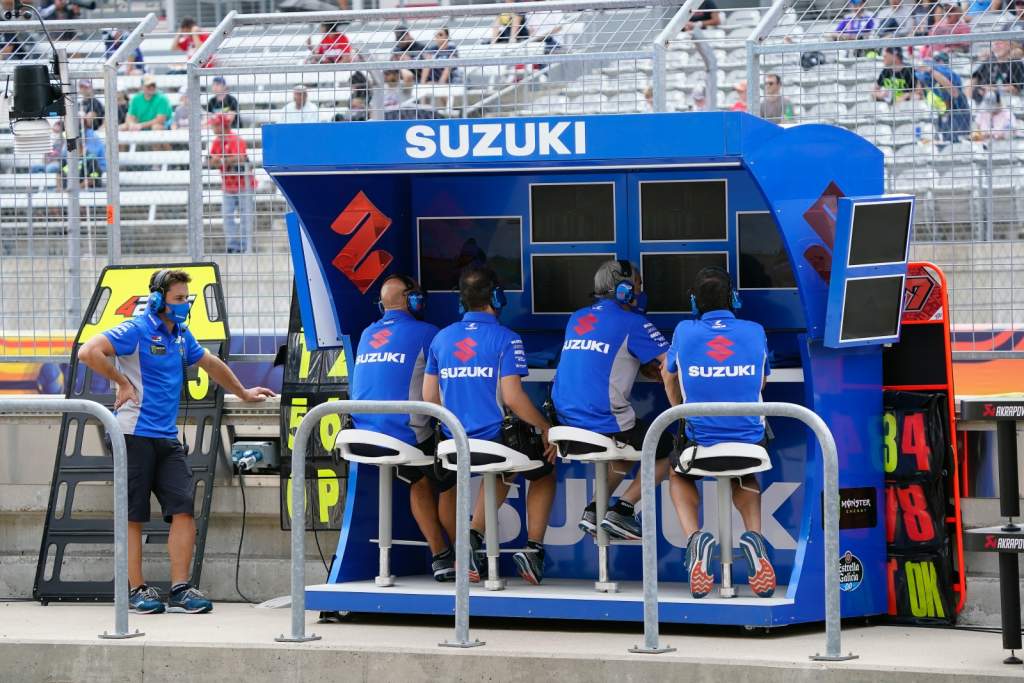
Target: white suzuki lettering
529, 140
468, 372
489, 132
721, 371
580, 135
446, 143
380, 358
421, 142
586, 345
549, 137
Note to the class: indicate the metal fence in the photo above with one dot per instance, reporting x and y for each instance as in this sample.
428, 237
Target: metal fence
165, 196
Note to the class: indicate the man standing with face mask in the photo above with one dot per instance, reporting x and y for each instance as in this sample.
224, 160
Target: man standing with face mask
146, 359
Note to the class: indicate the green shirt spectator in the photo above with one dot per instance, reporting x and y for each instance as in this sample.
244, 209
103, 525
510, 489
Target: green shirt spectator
149, 109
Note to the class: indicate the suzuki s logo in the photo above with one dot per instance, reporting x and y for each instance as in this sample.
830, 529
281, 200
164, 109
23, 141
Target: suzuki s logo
585, 323
465, 349
360, 265
379, 339
489, 140
719, 348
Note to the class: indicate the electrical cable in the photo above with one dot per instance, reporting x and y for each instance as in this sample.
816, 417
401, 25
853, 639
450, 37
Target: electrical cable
241, 538
316, 538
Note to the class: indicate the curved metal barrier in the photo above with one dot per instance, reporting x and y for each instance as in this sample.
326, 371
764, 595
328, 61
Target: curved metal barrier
33, 406
306, 427
830, 463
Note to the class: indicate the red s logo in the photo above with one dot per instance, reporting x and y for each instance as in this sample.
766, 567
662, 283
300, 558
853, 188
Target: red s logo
356, 262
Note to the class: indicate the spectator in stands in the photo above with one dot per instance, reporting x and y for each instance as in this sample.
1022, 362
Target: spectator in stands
1016, 23
228, 153
58, 148
699, 98
903, 18
649, 99
543, 27
179, 120
706, 16
774, 106
89, 103
741, 96
993, 83
943, 91
135, 64
149, 109
357, 110
949, 21
509, 27
406, 49
14, 45
333, 48
93, 162
856, 24
300, 109
189, 38
975, 7
122, 108
895, 80
442, 48
62, 10
223, 102
390, 95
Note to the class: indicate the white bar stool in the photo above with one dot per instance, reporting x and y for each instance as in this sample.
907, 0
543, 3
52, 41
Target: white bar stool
489, 459
386, 452
582, 445
724, 461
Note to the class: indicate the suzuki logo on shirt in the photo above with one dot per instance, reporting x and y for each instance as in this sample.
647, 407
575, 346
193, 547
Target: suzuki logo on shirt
719, 348
718, 325
586, 345
488, 140
356, 261
465, 349
472, 371
585, 323
387, 357
381, 338
721, 370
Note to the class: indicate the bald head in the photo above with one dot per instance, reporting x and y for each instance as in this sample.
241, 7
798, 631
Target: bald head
392, 295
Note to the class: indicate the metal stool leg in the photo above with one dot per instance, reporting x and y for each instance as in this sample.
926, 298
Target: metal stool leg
725, 535
603, 584
494, 581
386, 476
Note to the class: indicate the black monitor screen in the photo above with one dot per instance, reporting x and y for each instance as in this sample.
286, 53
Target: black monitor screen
563, 283
872, 307
447, 245
764, 263
669, 277
683, 211
573, 213
880, 233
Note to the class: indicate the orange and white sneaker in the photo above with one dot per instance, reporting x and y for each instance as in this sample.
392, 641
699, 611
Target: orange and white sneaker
698, 561
761, 573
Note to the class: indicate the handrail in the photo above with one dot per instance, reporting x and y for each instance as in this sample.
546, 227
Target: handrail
35, 406
830, 464
462, 508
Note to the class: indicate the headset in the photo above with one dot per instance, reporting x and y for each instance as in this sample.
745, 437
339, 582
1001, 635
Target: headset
415, 299
624, 290
158, 290
498, 298
734, 297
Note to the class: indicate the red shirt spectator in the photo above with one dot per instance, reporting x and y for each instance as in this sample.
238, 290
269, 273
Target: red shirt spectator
229, 153
334, 47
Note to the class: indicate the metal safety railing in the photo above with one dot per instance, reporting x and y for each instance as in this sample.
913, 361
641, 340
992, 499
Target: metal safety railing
462, 508
830, 464
35, 406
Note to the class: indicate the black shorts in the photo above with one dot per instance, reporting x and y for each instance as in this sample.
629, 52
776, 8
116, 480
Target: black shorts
440, 478
634, 436
534, 454
157, 465
685, 443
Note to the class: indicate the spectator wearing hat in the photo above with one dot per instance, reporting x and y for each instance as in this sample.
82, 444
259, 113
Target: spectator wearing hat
229, 154
895, 80
223, 102
300, 109
943, 91
89, 103
149, 109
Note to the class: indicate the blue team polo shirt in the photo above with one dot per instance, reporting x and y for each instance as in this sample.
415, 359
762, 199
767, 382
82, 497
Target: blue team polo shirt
720, 358
469, 358
604, 347
389, 367
151, 357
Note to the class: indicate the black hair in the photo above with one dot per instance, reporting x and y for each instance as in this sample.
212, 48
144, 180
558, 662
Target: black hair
713, 289
475, 286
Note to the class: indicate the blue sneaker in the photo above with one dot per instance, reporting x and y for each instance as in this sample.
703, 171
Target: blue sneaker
588, 522
145, 600
761, 573
189, 600
621, 523
698, 561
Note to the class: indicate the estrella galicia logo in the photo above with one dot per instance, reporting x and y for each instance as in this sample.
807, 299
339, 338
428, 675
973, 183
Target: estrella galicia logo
851, 572
356, 260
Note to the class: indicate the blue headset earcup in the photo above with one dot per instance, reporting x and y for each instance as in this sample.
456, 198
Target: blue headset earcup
736, 303
624, 292
693, 305
156, 301
498, 298
417, 302
380, 306
462, 307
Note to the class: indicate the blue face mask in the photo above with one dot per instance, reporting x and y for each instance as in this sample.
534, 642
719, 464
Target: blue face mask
639, 304
178, 312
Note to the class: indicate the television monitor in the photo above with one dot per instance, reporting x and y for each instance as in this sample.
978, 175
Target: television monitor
871, 308
678, 211
669, 277
447, 245
763, 261
880, 232
572, 213
563, 283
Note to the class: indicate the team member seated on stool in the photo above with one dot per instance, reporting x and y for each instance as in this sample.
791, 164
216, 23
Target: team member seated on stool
715, 341
605, 345
146, 358
389, 366
474, 369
